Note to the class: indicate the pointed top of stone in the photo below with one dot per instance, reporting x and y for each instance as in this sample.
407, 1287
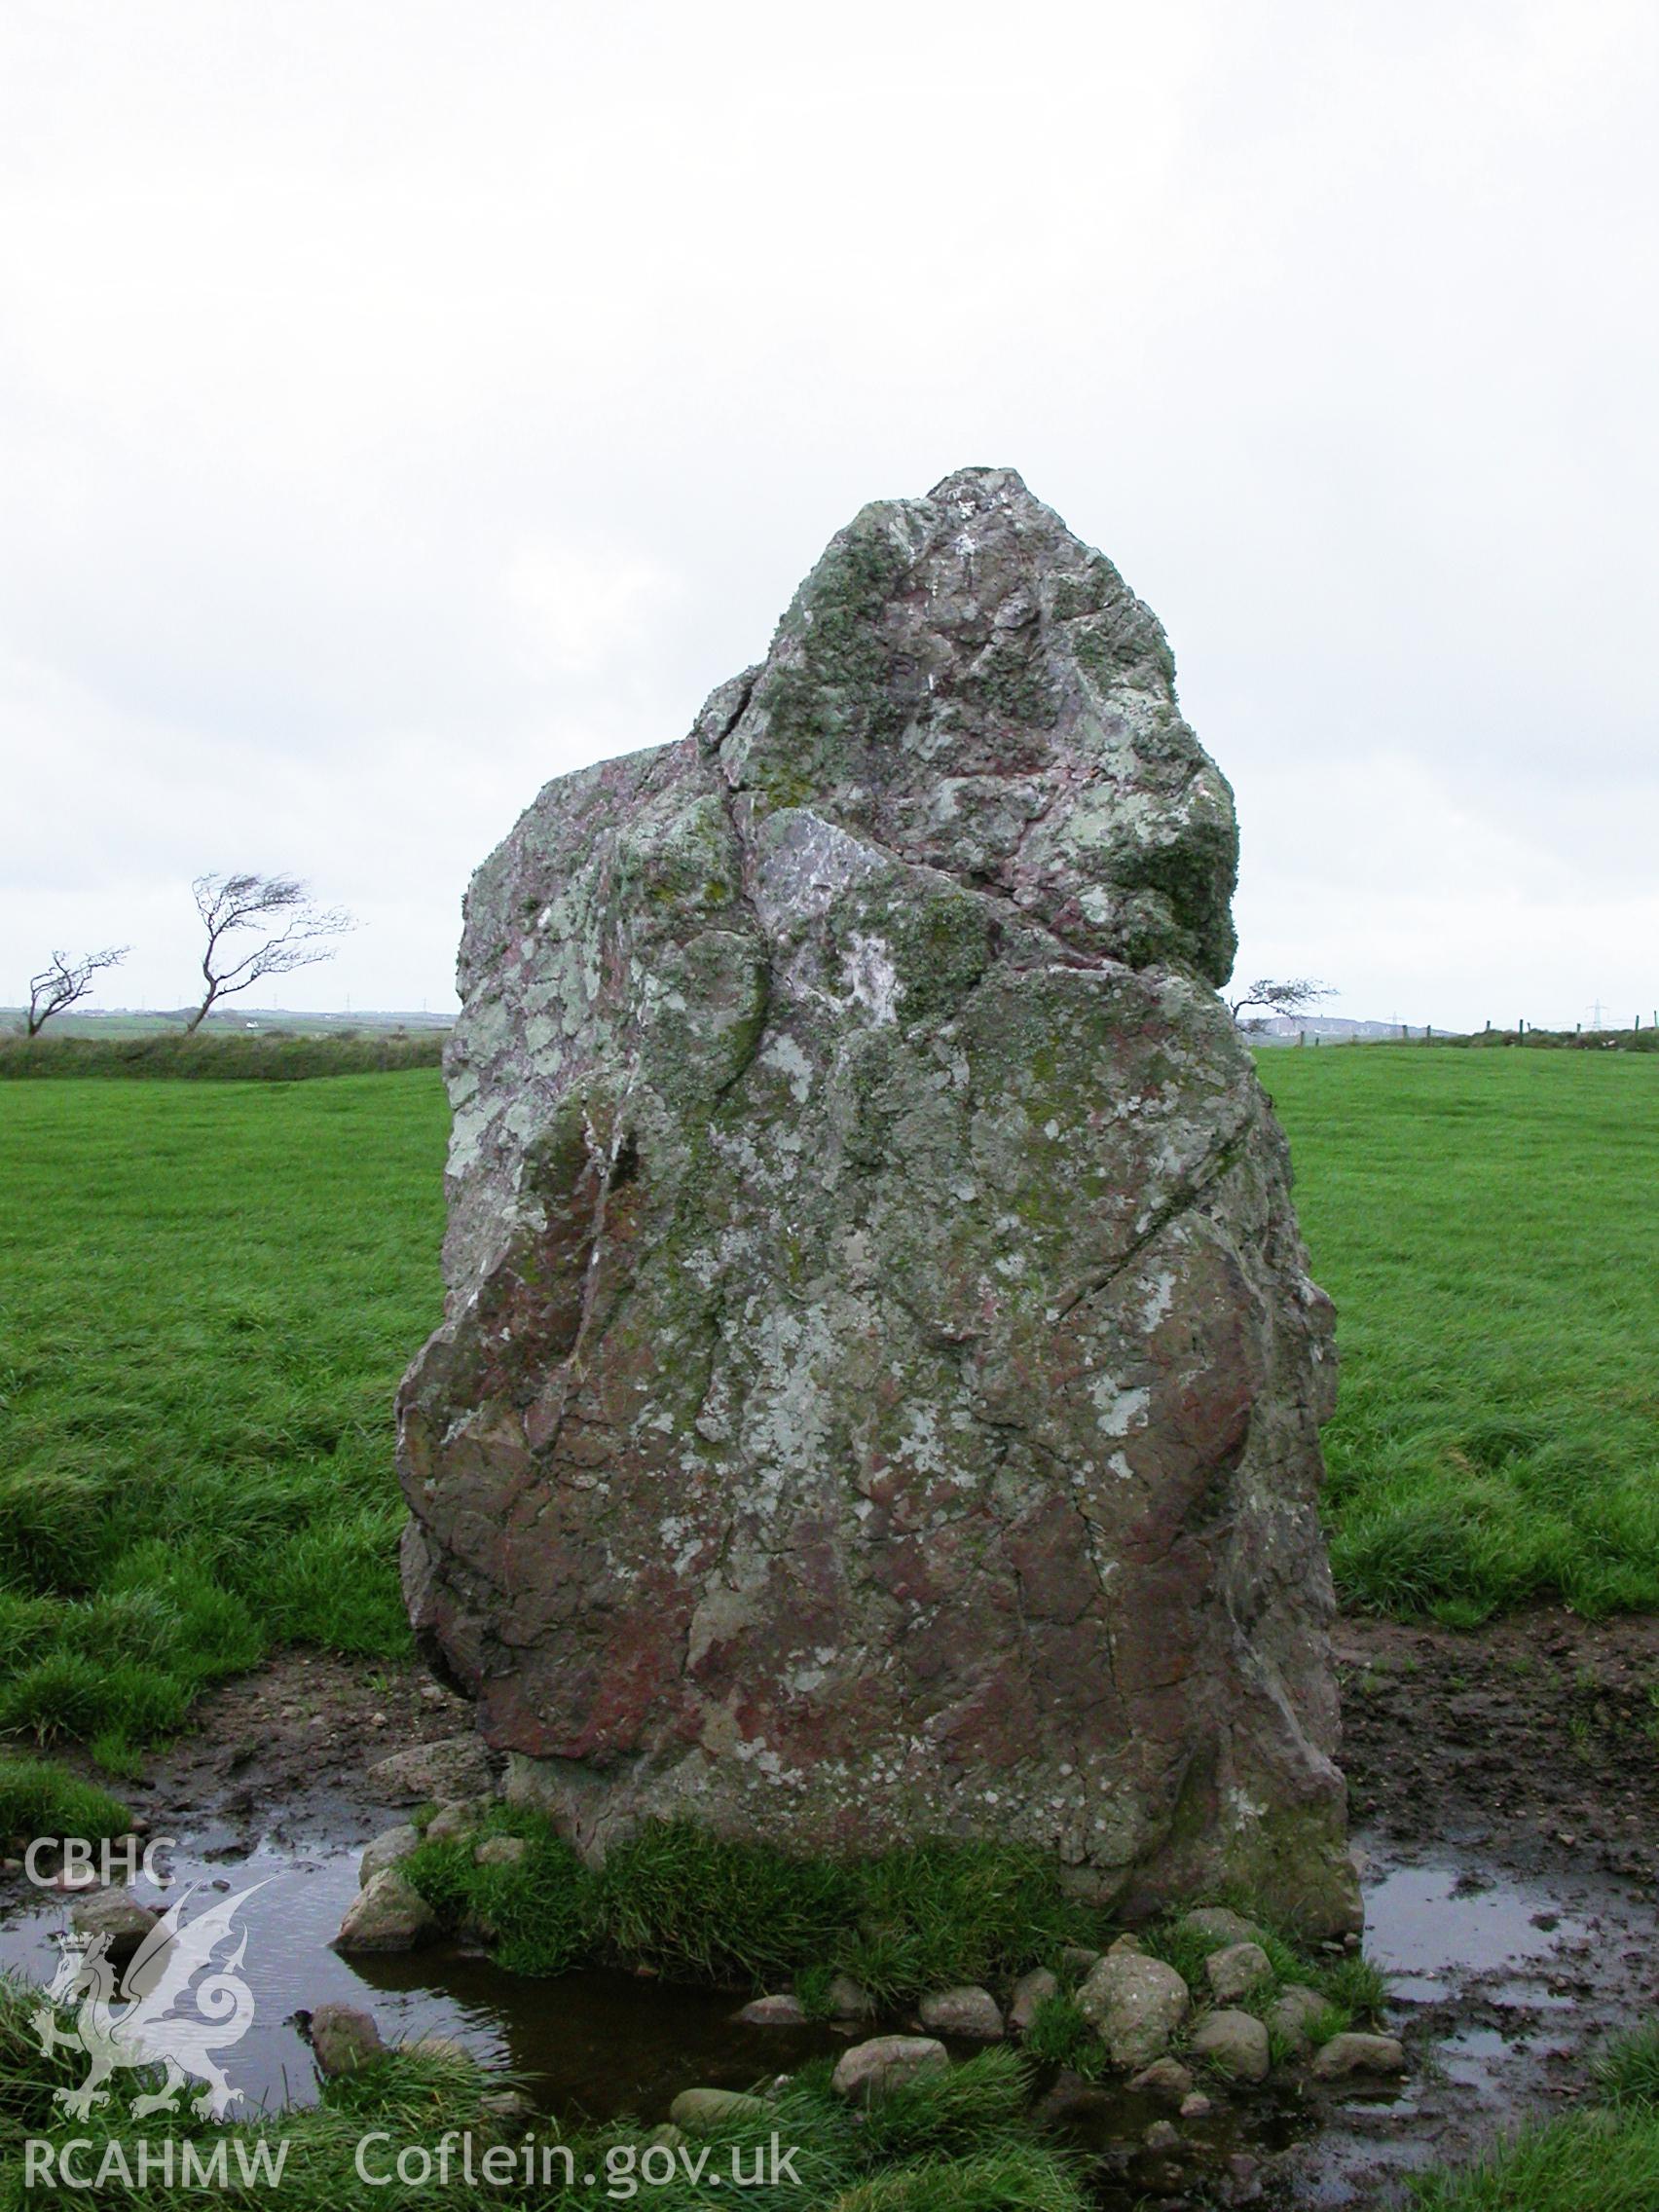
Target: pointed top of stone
962, 679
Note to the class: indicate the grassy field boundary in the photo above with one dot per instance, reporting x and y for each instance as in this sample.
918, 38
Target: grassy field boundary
263, 1059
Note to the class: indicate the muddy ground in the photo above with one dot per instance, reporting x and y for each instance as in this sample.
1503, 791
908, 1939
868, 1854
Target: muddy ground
1505, 1796
1505, 1788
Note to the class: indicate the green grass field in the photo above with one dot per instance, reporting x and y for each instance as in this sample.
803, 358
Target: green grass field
210, 1290
209, 1293
1488, 1224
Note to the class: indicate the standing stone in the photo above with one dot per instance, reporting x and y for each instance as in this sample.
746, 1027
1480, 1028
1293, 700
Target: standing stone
881, 1381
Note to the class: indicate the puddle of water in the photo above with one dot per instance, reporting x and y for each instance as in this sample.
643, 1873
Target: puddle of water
598, 2043
1418, 1989
606, 2044
1531, 1997
1419, 1922
1470, 2055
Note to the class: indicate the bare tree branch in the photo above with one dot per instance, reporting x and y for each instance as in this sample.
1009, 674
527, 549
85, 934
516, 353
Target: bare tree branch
62, 982
1295, 994
228, 903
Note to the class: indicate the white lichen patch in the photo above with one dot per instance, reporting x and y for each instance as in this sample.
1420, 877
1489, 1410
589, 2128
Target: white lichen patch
1118, 1409
1159, 1297
869, 975
782, 1052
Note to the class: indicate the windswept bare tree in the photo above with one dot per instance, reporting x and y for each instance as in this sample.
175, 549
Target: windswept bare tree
62, 982
1295, 994
230, 904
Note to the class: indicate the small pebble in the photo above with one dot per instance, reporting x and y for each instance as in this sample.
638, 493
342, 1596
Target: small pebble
1196, 2107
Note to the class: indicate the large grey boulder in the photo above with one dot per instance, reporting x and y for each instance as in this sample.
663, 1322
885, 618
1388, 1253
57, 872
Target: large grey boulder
879, 1388
870, 2071
969, 2013
388, 1914
1234, 2043
117, 1916
1232, 1973
1356, 2053
344, 2038
388, 1848
455, 1768
1134, 2005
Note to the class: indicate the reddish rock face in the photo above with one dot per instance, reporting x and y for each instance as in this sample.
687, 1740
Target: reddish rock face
881, 1386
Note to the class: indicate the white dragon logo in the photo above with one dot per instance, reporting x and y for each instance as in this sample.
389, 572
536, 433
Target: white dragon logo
135, 2022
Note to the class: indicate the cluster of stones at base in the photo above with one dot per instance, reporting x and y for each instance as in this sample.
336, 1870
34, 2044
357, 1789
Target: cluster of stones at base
1176, 2045
452, 1775
1140, 2008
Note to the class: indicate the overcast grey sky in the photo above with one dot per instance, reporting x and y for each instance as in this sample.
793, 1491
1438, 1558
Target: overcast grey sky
403, 403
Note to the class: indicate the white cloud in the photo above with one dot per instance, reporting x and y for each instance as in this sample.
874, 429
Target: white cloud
400, 404
576, 613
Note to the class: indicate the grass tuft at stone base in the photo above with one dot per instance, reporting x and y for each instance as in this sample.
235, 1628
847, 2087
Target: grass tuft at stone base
695, 1908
